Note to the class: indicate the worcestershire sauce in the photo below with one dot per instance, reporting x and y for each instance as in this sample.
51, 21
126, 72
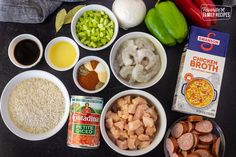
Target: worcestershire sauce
26, 52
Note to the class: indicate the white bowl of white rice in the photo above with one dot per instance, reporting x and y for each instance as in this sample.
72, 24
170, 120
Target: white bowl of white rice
35, 105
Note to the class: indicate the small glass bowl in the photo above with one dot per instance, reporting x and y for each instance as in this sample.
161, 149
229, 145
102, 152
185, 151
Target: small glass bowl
216, 130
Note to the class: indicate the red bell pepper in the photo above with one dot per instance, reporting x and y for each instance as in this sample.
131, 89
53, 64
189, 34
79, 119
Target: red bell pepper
192, 10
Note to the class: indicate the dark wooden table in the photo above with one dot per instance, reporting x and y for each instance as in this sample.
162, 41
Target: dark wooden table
12, 146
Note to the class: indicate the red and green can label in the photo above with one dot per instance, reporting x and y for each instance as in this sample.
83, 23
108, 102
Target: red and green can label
83, 126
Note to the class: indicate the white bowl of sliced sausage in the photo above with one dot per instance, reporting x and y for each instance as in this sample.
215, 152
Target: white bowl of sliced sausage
133, 122
194, 136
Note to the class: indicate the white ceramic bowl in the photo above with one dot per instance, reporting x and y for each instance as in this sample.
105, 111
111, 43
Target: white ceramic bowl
51, 43
13, 44
83, 61
161, 128
94, 7
161, 51
4, 104
216, 130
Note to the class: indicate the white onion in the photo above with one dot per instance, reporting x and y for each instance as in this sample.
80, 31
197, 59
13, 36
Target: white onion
129, 13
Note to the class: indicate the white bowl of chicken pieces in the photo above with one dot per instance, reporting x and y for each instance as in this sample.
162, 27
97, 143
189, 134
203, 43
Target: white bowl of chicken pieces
133, 122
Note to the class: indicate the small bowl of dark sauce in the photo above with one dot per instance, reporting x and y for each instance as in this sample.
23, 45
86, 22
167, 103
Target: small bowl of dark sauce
25, 51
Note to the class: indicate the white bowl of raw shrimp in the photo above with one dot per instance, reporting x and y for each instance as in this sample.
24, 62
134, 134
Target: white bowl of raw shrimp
126, 145
138, 60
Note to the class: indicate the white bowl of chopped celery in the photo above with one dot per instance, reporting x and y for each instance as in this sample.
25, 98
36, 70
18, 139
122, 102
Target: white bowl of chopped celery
94, 27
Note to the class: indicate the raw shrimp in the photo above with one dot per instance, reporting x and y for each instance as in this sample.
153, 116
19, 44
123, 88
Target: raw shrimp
144, 43
141, 75
119, 60
126, 44
123, 46
129, 55
126, 72
143, 54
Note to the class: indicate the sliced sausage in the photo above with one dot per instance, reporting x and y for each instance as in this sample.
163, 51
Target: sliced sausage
171, 145
176, 155
216, 147
203, 152
190, 126
193, 155
186, 141
206, 139
196, 140
196, 133
203, 146
195, 118
184, 153
204, 126
178, 130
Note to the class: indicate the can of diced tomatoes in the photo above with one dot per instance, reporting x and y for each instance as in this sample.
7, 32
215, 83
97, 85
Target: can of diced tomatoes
84, 122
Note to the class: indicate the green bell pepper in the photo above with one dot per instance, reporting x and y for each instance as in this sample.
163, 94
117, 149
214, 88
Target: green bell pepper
167, 23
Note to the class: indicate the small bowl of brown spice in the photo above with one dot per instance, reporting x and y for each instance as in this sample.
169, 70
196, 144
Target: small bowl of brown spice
91, 74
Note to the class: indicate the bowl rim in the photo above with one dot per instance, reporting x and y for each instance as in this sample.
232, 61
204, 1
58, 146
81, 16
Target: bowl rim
94, 7
19, 78
86, 59
56, 40
161, 52
216, 126
14, 42
162, 128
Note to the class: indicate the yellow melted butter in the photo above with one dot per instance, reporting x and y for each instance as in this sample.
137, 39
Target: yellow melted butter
62, 54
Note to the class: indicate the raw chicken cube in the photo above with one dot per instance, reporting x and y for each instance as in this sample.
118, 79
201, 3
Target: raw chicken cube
143, 137
120, 102
122, 144
133, 125
144, 144
120, 125
131, 143
110, 135
115, 132
112, 115
139, 100
148, 122
139, 131
145, 114
130, 118
153, 113
138, 113
150, 131
126, 127
127, 99
109, 123
130, 133
132, 108
123, 135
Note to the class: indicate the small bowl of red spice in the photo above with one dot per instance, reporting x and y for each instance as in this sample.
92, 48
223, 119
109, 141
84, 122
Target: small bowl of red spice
91, 74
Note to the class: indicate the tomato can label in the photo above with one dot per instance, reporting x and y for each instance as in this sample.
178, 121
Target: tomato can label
84, 122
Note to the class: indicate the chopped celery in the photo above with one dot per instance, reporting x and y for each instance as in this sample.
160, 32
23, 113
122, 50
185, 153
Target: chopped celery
95, 28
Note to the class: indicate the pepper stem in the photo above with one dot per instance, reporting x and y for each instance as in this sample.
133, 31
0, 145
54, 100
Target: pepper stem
158, 1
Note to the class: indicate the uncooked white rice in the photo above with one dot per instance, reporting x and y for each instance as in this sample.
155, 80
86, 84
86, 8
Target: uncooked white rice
36, 105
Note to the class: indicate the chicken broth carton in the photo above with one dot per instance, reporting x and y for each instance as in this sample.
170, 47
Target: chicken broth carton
200, 73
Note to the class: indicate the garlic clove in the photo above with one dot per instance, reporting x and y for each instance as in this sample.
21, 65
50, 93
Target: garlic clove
88, 66
100, 68
102, 76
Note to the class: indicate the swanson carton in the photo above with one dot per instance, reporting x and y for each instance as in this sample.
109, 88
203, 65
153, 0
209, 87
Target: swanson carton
201, 71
